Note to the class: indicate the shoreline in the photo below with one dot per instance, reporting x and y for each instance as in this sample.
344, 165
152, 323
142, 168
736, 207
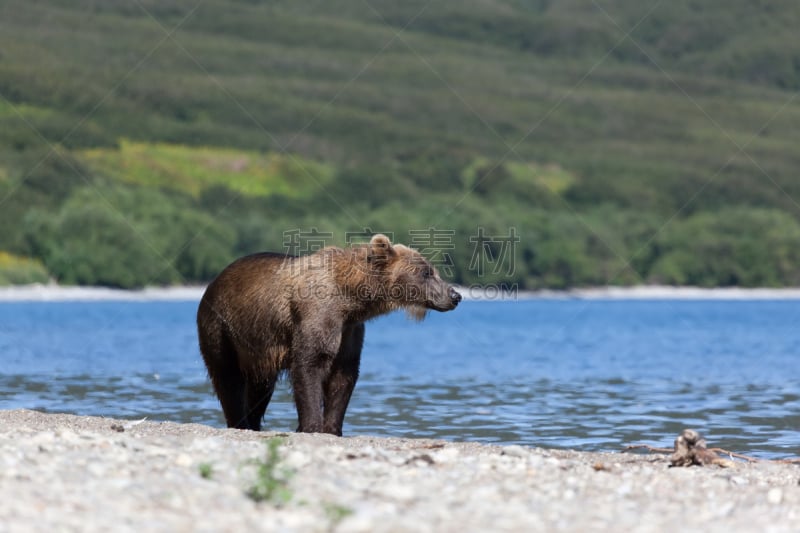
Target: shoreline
58, 293
84, 473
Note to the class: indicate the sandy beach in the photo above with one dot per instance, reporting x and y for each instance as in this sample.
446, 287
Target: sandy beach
57, 293
79, 473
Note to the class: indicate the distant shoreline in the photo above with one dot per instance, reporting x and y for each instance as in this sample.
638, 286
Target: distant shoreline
57, 293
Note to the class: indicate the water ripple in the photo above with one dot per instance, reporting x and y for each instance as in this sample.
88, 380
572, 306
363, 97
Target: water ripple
587, 375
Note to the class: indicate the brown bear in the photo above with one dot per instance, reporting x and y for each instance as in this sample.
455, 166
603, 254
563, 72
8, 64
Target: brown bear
268, 313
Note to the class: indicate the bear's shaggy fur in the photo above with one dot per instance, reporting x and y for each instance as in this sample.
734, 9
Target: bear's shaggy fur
268, 313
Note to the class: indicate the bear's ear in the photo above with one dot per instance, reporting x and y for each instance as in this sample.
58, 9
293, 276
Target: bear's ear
380, 250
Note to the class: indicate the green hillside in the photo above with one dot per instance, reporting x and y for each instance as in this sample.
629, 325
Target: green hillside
623, 141
194, 170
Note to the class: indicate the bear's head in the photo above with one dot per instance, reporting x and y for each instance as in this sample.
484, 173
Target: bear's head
408, 280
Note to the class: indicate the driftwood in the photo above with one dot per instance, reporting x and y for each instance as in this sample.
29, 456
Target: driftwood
690, 449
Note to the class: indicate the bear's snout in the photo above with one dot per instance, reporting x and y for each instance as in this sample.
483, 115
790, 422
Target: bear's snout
455, 297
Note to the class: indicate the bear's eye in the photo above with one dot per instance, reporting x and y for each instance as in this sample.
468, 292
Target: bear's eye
427, 273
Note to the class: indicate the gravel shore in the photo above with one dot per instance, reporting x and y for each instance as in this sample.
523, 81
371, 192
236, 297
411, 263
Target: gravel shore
77, 473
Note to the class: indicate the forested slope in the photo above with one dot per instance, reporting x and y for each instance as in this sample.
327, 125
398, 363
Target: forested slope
150, 142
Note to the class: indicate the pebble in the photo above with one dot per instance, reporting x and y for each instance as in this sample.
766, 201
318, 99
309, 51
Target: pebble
400, 492
357, 523
775, 496
184, 460
296, 459
446, 455
515, 450
725, 509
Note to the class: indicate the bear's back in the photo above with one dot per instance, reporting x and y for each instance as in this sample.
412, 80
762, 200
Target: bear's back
247, 273
247, 288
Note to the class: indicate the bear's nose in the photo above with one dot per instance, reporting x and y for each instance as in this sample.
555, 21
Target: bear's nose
455, 297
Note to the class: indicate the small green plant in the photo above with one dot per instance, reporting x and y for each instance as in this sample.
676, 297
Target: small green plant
336, 512
206, 470
271, 480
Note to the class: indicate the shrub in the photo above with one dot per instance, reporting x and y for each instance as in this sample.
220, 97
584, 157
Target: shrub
16, 270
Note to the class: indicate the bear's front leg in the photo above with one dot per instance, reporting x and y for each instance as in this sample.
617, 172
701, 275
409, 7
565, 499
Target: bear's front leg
341, 379
307, 385
312, 354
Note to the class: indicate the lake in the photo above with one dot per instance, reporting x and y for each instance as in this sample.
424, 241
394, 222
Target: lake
583, 374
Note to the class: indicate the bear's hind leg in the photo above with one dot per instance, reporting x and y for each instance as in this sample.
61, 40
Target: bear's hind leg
258, 395
230, 386
221, 360
342, 379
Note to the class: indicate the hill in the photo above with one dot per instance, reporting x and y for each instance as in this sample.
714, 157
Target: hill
623, 142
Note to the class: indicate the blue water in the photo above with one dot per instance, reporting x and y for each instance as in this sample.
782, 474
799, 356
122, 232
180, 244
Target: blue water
591, 375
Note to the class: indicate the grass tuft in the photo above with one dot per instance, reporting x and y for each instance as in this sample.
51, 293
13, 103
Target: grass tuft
206, 470
271, 483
